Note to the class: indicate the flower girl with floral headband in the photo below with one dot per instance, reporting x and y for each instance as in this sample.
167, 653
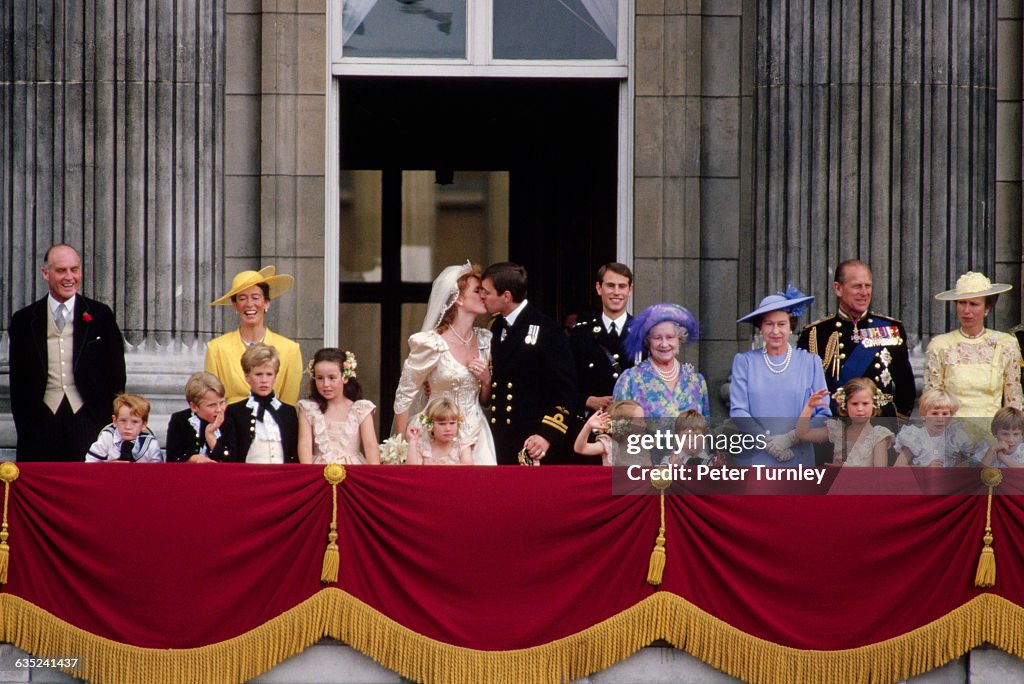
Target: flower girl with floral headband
613, 428
434, 436
855, 441
336, 420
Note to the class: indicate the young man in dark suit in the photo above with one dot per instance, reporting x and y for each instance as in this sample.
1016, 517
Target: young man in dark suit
533, 382
67, 365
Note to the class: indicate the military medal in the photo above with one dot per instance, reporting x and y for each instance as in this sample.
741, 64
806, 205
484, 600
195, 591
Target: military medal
532, 334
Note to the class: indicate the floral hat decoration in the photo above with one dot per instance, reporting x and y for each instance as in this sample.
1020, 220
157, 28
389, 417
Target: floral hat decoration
652, 316
792, 301
973, 284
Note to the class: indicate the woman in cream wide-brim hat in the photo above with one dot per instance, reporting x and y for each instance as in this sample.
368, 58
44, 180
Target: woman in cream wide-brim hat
978, 366
250, 294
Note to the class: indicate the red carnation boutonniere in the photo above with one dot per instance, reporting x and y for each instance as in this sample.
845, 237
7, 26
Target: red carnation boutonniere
87, 317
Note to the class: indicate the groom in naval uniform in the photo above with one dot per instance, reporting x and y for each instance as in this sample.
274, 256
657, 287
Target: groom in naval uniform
533, 386
67, 365
857, 342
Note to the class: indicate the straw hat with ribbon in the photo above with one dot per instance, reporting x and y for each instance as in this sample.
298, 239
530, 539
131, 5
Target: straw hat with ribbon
278, 284
971, 285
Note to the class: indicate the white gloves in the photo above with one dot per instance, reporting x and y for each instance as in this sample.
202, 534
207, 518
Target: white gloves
780, 446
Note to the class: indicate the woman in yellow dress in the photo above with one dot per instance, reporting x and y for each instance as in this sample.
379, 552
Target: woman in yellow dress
978, 366
250, 294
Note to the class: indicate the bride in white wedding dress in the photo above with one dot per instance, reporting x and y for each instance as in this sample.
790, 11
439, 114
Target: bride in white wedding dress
451, 357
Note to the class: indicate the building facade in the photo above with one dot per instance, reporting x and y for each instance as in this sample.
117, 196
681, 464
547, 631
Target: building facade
722, 148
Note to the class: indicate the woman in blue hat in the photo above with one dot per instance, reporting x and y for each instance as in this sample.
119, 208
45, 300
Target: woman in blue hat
770, 386
660, 384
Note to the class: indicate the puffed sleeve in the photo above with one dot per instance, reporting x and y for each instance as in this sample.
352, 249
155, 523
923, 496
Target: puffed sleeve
290, 374
739, 403
425, 348
934, 369
1011, 373
705, 408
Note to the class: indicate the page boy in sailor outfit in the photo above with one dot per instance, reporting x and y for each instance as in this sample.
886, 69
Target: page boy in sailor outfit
127, 438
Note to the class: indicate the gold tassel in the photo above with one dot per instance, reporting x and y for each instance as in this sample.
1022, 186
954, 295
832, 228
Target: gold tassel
656, 566
986, 575
334, 474
8, 473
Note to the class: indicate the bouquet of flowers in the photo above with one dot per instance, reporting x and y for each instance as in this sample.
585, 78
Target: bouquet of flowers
393, 450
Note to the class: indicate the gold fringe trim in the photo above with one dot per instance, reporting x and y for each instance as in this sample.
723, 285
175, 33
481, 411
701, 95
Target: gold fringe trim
337, 614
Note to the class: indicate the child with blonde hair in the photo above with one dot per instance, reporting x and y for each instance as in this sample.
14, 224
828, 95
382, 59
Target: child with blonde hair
434, 436
940, 440
612, 429
691, 427
199, 434
855, 441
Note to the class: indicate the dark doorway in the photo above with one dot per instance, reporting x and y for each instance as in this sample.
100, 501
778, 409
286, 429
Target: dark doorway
557, 141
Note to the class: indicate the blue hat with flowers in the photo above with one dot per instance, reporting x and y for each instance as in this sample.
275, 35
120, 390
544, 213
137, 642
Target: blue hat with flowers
792, 301
642, 323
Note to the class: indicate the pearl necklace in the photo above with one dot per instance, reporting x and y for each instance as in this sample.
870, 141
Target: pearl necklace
468, 340
969, 336
778, 368
668, 376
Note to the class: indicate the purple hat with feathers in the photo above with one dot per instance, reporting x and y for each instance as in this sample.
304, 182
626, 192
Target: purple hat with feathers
792, 301
642, 323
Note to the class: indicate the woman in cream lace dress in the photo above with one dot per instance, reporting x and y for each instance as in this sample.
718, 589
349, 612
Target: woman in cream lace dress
978, 366
451, 357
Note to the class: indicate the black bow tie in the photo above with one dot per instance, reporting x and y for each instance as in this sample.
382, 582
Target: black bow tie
265, 404
126, 451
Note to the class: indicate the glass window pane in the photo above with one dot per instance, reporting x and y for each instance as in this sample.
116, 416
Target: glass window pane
360, 226
555, 29
447, 224
428, 29
359, 333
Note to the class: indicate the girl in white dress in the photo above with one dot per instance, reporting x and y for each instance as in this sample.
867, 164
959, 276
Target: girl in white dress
336, 420
855, 441
434, 436
941, 440
451, 357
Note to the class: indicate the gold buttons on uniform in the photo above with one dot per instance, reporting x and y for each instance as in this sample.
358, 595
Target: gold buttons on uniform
615, 356
615, 375
493, 385
842, 346
494, 408
493, 421
842, 356
590, 366
508, 409
509, 397
508, 421
878, 365
839, 324
510, 385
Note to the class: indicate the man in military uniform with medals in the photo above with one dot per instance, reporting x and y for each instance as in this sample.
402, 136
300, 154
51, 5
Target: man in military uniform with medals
533, 382
856, 342
596, 341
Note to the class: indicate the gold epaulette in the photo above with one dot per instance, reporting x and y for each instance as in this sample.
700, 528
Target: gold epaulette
875, 314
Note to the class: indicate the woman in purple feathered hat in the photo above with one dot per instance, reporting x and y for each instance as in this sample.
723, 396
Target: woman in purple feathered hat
771, 385
660, 384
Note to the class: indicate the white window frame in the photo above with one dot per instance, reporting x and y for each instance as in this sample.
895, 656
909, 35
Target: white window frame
478, 63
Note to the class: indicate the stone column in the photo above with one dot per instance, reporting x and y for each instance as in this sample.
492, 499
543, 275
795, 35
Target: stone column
694, 84
875, 138
112, 142
1009, 215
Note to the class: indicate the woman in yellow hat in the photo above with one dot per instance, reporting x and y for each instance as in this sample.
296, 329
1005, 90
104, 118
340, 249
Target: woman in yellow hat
250, 294
977, 365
